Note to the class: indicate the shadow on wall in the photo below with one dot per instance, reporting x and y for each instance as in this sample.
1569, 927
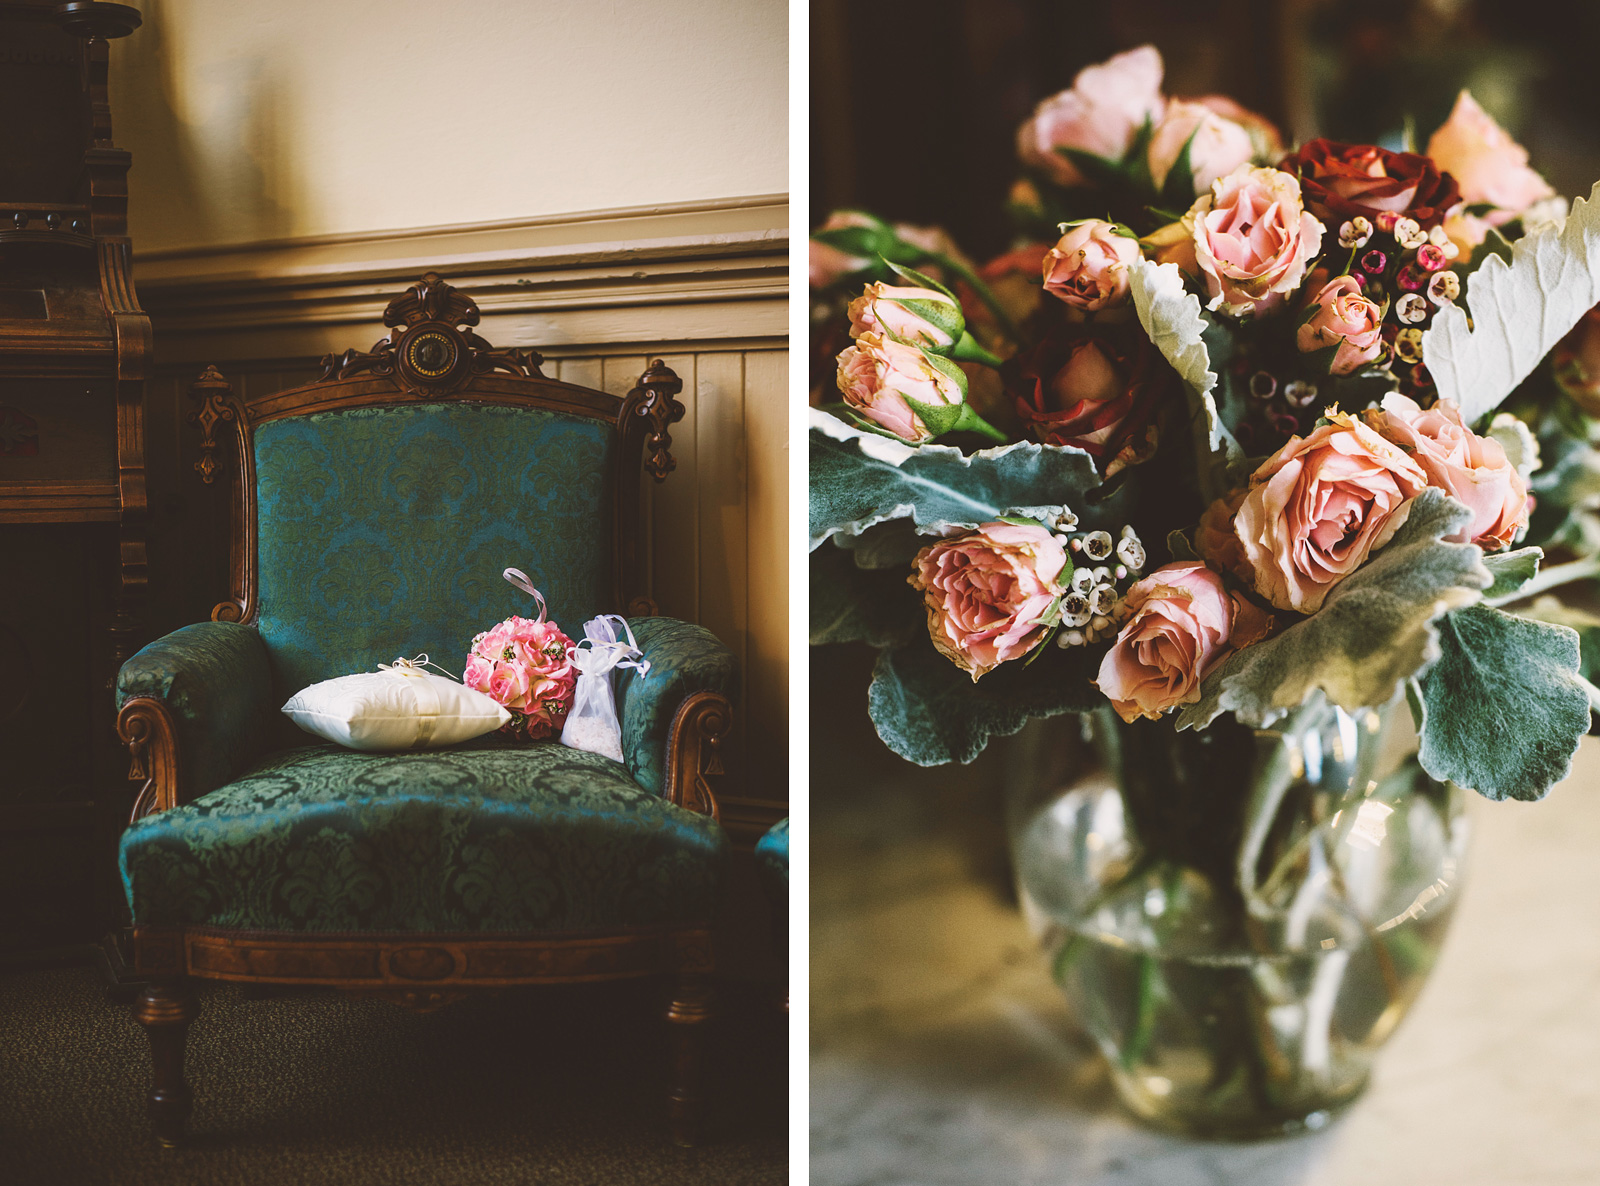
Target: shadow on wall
210, 164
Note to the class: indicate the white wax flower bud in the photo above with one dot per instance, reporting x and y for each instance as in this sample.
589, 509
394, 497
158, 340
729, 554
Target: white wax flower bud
1409, 234
1075, 610
1444, 287
1131, 552
1097, 545
1411, 308
1356, 232
1082, 580
1102, 600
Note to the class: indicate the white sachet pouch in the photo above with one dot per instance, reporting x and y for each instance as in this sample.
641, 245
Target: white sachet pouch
592, 724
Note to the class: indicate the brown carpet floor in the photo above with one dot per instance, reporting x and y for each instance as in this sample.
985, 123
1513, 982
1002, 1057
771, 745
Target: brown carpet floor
552, 1085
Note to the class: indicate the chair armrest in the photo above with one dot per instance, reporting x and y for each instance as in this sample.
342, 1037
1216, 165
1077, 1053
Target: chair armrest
194, 707
686, 662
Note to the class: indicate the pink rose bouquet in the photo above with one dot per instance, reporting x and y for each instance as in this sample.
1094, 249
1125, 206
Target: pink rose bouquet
525, 664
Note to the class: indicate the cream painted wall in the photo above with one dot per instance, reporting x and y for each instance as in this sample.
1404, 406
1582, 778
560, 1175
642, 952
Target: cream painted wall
252, 121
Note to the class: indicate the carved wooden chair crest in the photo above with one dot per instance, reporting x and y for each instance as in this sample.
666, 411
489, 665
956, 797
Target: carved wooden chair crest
373, 511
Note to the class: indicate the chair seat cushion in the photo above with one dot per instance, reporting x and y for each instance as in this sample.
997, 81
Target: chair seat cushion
487, 836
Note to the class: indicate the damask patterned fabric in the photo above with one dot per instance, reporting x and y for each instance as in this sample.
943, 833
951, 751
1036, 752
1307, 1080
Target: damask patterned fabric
684, 659
384, 531
487, 836
772, 861
215, 678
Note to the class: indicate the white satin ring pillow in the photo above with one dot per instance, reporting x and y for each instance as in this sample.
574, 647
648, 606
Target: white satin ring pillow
397, 708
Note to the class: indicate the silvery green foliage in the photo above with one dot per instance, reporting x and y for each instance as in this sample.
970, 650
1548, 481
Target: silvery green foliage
1504, 708
1511, 571
1519, 312
859, 480
1172, 318
929, 711
852, 602
1373, 633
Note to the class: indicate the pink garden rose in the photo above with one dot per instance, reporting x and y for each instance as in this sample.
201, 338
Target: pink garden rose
1088, 267
1339, 315
1319, 506
1184, 623
1489, 165
1472, 469
1252, 239
985, 592
877, 376
894, 311
1217, 145
524, 664
1263, 133
1106, 106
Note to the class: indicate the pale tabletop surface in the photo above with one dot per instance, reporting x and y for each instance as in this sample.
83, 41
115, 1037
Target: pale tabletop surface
943, 1055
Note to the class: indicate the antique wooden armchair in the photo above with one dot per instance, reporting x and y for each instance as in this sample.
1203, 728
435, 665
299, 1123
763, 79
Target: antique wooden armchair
374, 511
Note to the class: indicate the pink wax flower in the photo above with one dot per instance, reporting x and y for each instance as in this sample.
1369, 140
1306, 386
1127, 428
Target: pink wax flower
1339, 315
1319, 506
1489, 165
985, 592
1088, 268
523, 664
877, 376
1252, 239
1184, 623
1107, 105
1472, 469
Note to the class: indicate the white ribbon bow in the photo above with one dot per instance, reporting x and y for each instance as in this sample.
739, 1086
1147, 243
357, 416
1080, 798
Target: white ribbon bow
405, 666
520, 579
606, 651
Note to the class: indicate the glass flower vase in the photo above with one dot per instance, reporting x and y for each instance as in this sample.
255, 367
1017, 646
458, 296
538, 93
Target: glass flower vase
1238, 917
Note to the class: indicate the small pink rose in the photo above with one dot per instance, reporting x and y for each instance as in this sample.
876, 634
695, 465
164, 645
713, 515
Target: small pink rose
1253, 239
1488, 164
1472, 469
1088, 268
877, 377
1319, 506
1184, 622
1339, 315
477, 673
915, 316
830, 265
985, 592
1217, 145
1107, 104
1264, 134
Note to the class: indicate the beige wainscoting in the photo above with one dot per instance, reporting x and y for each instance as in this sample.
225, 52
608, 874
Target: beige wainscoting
703, 286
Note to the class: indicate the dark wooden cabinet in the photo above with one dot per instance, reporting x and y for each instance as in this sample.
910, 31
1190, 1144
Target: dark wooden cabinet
74, 351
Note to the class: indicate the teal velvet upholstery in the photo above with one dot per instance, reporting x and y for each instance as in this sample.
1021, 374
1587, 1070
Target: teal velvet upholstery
487, 836
384, 531
772, 861
684, 659
215, 679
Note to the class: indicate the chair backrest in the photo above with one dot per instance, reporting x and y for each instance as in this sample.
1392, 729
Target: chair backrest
377, 507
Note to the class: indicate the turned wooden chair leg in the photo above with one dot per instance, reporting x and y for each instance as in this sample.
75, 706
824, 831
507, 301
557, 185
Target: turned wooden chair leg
686, 1018
165, 1009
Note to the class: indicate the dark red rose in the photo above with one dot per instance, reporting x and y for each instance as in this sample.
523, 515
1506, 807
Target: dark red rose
1089, 392
1340, 181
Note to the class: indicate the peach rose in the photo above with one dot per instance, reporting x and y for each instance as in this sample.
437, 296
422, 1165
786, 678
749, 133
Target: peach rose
1472, 469
1466, 231
1082, 391
1252, 239
1184, 623
1577, 362
1489, 165
1319, 506
916, 316
1264, 134
1088, 268
878, 376
1340, 316
1215, 541
1100, 114
1173, 244
1217, 145
986, 591
830, 265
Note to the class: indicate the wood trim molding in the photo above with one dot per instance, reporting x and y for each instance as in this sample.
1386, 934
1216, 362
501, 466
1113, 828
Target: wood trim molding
709, 272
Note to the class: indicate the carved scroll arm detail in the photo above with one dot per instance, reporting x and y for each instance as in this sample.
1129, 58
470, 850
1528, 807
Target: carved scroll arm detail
693, 760
146, 726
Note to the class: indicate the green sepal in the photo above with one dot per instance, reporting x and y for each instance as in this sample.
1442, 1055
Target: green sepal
970, 421
1021, 521
938, 419
920, 280
1179, 545
969, 349
1178, 189
946, 367
1098, 170
1136, 161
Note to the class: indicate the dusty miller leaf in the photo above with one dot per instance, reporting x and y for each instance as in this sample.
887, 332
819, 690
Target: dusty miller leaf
1511, 571
852, 603
1518, 312
1374, 631
858, 480
1505, 709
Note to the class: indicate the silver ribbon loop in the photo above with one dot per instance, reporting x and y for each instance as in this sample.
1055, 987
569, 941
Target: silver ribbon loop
520, 579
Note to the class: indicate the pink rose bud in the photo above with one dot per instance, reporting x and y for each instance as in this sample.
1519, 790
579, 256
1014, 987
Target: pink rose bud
1472, 469
1089, 267
1217, 146
987, 590
1319, 506
1489, 165
829, 264
1253, 239
1184, 622
1340, 316
1100, 115
884, 381
915, 316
